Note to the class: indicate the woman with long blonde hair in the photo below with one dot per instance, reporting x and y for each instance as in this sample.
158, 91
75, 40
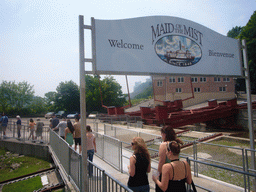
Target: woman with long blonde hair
140, 165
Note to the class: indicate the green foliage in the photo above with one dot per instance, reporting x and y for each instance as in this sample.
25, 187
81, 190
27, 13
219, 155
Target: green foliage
248, 33
14, 97
67, 97
38, 106
24, 186
108, 89
147, 93
50, 100
234, 32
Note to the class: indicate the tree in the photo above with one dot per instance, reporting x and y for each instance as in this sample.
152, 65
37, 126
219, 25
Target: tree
15, 97
37, 106
50, 100
234, 32
108, 89
249, 34
67, 97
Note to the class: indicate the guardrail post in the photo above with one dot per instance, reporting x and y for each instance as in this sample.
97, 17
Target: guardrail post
104, 181
121, 156
13, 132
103, 146
244, 169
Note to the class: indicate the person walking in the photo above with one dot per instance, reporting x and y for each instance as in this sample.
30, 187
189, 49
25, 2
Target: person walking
77, 135
4, 123
176, 173
55, 122
18, 123
69, 133
39, 130
168, 134
61, 127
91, 147
32, 129
140, 165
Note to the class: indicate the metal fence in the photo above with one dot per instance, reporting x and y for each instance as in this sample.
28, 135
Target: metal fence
228, 163
72, 164
127, 135
222, 162
12, 132
129, 121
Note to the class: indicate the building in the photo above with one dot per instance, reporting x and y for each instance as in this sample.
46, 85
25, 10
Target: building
203, 88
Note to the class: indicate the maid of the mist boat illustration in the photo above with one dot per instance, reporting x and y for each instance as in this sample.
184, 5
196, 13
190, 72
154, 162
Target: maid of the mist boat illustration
179, 55
178, 50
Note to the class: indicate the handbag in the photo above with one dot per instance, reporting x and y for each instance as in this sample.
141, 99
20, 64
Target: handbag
193, 187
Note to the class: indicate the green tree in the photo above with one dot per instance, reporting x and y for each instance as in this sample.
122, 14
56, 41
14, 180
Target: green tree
38, 106
234, 32
50, 100
67, 97
15, 97
108, 88
249, 34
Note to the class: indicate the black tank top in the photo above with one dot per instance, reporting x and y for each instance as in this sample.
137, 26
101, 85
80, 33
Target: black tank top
177, 185
141, 166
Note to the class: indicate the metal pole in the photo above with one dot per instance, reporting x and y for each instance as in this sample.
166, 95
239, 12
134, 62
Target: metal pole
249, 107
83, 104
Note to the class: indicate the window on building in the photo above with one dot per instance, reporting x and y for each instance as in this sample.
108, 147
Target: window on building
172, 79
180, 79
178, 90
222, 89
159, 83
197, 89
202, 79
217, 79
194, 79
226, 79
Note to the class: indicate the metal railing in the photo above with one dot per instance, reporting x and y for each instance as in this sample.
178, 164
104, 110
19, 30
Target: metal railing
72, 163
238, 169
41, 136
130, 121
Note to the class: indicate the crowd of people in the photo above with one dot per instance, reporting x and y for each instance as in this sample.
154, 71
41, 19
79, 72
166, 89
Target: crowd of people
171, 175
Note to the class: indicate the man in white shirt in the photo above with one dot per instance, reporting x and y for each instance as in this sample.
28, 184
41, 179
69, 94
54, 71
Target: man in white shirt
61, 127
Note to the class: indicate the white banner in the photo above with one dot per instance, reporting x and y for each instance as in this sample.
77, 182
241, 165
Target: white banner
163, 45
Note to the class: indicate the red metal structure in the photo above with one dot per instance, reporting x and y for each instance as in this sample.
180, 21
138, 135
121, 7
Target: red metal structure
221, 115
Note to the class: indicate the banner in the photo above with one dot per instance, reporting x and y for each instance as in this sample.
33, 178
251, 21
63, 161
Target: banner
163, 45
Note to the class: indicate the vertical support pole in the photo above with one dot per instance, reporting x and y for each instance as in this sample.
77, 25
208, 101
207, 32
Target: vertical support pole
249, 107
130, 104
83, 104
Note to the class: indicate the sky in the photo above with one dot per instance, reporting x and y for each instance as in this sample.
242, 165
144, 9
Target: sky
39, 39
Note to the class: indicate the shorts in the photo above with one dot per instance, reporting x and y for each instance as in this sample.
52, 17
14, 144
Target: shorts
78, 141
3, 128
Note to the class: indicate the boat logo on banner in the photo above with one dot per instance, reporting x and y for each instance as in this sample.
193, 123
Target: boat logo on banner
178, 50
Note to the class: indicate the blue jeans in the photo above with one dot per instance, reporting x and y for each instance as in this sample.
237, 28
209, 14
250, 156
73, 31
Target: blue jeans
143, 188
90, 154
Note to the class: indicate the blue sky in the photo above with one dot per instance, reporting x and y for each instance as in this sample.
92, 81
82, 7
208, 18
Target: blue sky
39, 38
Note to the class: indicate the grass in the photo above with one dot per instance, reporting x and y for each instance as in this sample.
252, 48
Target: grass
230, 156
24, 186
24, 165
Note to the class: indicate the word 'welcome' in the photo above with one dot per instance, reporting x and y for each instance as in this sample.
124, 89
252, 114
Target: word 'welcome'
121, 44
